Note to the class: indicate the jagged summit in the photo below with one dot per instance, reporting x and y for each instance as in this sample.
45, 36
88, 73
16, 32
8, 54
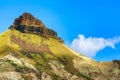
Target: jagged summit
27, 23
29, 20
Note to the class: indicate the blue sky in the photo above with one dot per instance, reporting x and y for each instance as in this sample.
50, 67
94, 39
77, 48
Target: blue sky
70, 18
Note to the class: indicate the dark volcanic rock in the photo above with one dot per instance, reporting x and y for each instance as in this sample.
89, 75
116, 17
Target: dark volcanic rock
27, 23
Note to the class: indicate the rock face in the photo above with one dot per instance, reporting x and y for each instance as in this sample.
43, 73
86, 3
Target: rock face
27, 23
28, 19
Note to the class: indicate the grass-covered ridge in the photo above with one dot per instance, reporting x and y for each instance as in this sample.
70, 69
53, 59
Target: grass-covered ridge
40, 51
4, 43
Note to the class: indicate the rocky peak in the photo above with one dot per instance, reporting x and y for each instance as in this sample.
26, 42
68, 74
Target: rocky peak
29, 20
27, 23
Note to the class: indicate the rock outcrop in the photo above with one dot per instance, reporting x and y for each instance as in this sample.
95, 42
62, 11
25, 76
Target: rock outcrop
29, 20
27, 23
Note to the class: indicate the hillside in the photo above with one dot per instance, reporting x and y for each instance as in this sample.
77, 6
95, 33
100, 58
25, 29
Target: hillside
31, 51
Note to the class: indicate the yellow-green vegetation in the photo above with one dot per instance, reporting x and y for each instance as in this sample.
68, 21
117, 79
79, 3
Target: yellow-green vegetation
29, 38
60, 53
57, 48
4, 41
38, 50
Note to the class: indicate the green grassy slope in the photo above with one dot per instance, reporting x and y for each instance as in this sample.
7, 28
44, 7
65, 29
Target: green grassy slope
4, 43
38, 50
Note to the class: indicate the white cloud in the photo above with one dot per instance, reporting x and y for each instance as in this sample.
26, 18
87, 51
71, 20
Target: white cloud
91, 45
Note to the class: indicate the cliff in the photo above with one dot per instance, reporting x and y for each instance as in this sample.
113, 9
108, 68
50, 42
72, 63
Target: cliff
27, 23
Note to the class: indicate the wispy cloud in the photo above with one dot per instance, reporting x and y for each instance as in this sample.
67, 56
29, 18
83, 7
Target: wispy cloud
91, 45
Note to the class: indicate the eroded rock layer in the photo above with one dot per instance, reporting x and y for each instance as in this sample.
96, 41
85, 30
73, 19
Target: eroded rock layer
27, 23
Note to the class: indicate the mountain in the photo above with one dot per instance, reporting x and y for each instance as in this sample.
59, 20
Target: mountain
31, 51
27, 23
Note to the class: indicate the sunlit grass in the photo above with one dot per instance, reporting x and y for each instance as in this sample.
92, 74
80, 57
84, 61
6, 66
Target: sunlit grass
40, 60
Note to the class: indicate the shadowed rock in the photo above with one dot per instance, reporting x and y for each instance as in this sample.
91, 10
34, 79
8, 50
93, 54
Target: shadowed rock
27, 23
29, 20
117, 62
